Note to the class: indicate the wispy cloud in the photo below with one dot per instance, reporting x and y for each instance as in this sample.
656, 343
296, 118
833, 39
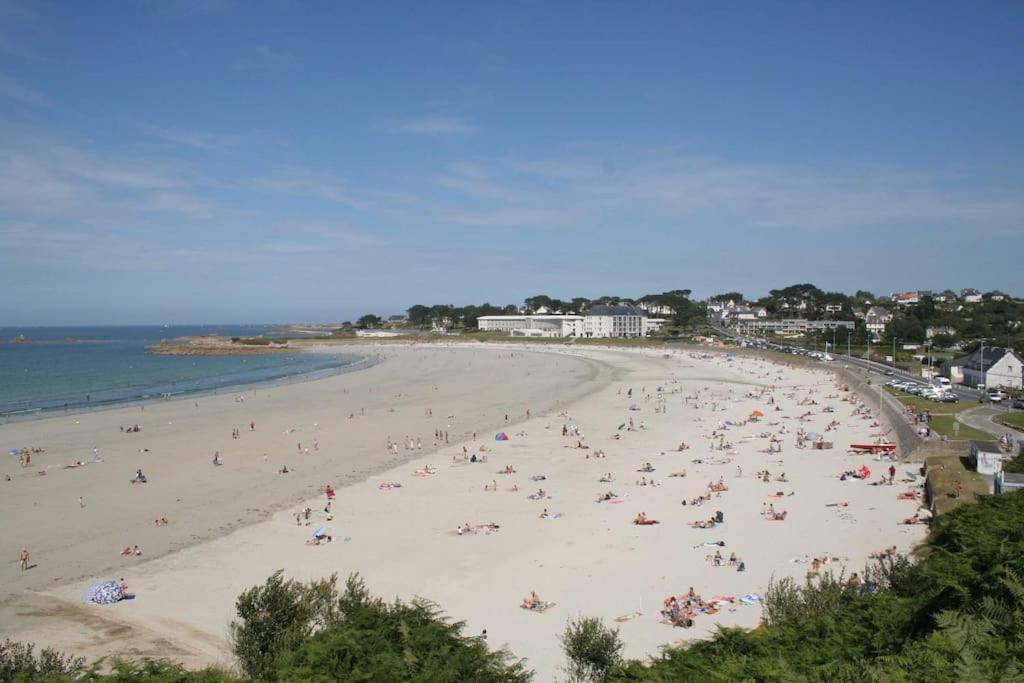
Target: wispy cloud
13, 90
309, 183
438, 126
210, 142
264, 57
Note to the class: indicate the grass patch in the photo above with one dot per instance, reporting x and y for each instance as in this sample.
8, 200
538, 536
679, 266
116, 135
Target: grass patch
943, 424
943, 470
1013, 420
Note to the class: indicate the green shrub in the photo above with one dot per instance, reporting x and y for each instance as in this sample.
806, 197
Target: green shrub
592, 649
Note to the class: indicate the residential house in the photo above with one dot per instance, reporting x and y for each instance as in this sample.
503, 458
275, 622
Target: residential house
907, 298
970, 296
989, 366
876, 319
833, 308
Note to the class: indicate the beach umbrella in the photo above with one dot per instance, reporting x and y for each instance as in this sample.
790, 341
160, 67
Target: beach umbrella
501, 436
103, 593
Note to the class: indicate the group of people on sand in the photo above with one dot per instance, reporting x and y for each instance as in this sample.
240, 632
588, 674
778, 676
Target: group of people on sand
132, 550
683, 610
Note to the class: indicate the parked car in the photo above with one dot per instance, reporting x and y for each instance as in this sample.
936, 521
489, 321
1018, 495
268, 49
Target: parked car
1019, 403
889, 373
995, 396
949, 397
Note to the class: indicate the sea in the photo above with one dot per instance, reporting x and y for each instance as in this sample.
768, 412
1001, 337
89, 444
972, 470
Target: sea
65, 369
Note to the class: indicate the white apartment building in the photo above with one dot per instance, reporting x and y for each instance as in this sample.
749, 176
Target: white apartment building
619, 321
790, 326
533, 325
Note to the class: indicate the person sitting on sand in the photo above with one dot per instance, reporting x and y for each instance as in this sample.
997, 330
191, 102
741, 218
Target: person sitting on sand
781, 477
606, 478
284, 470
216, 458
465, 529
682, 446
531, 602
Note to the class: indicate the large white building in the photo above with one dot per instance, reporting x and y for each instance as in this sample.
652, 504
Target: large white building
598, 321
533, 325
790, 327
619, 321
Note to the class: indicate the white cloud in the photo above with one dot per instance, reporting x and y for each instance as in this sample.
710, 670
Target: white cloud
436, 126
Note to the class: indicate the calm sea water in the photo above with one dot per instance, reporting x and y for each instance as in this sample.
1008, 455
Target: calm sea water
75, 368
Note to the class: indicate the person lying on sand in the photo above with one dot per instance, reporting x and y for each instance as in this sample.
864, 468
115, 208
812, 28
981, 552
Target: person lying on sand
162, 521
646, 468
531, 602
606, 496
606, 478
682, 446
643, 520
680, 473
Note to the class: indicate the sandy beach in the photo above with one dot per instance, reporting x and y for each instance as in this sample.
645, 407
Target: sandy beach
592, 412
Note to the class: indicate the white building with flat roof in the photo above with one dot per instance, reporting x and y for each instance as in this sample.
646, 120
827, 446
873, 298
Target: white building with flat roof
599, 321
533, 325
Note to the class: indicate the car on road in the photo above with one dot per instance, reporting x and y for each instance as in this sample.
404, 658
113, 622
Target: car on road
890, 373
949, 397
996, 396
1019, 403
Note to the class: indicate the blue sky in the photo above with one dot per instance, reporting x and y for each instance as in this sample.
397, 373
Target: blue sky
171, 161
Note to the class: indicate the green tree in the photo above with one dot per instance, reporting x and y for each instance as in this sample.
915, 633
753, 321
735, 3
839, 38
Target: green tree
419, 315
368, 321
371, 640
278, 617
592, 649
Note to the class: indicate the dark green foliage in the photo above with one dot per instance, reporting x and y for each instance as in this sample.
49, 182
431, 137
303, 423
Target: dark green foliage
592, 649
20, 662
956, 615
277, 617
371, 640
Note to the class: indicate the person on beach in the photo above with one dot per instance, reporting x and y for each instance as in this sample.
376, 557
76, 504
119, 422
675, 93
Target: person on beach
23, 557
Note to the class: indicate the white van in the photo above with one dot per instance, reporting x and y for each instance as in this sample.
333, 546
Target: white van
942, 383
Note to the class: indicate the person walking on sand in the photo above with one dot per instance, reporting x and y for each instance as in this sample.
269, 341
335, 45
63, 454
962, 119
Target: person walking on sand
24, 559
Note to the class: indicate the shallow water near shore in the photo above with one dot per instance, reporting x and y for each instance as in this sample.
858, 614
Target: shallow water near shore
75, 368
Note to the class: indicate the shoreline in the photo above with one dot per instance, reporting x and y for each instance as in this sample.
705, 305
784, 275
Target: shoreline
32, 414
357, 472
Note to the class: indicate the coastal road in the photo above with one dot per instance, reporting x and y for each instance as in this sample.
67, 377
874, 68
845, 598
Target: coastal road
982, 418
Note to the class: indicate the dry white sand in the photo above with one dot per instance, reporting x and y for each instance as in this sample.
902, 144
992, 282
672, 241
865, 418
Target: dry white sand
591, 560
